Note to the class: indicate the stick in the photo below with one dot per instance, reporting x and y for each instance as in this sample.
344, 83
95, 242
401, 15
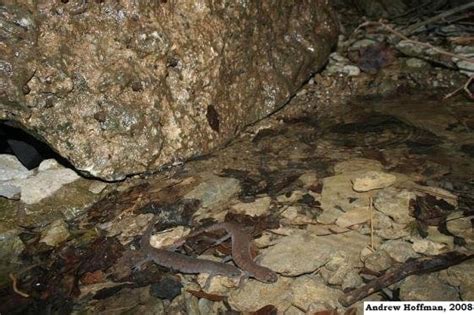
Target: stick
440, 16
15, 287
400, 35
416, 266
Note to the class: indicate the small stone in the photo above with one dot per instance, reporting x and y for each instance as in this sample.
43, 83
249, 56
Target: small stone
378, 261
257, 208
353, 217
309, 179
461, 276
395, 204
96, 187
427, 288
49, 164
363, 43
56, 233
373, 180
351, 70
399, 250
416, 63
352, 280
436, 236
428, 247
387, 228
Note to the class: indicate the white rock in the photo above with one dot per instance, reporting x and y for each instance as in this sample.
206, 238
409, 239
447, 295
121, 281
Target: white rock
50, 164
55, 233
169, 237
11, 168
373, 180
45, 184
257, 208
351, 70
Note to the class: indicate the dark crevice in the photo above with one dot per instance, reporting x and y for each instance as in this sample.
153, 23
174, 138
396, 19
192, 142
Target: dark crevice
29, 150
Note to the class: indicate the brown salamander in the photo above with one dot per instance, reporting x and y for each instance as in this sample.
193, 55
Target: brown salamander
241, 242
183, 263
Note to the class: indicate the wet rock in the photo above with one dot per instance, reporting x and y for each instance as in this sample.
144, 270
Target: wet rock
124, 107
257, 208
254, 295
427, 288
373, 180
56, 233
378, 261
353, 217
461, 276
395, 204
310, 290
400, 251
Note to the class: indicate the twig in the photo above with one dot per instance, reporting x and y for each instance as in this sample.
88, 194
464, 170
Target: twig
464, 88
416, 266
440, 16
15, 288
371, 209
400, 35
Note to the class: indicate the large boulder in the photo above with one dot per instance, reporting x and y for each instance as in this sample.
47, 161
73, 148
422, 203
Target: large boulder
121, 87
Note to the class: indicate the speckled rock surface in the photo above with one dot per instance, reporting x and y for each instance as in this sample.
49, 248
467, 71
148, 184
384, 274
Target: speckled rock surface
124, 87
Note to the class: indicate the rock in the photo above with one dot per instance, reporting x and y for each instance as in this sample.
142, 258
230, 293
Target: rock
11, 168
351, 281
308, 290
170, 237
461, 226
427, 288
363, 43
339, 271
373, 180
11, 247
303, 252
461, 276
357, 165
214, 191
166, 287
378, 261
309, 179
353, 217
436, 236
211, 307
158, 84
127, 228
387, 228
257, 208
416, 63
49, 164
254, 295
395, 204
96, 187
44, 184
56, 233
428, 247
400, 251
338, 197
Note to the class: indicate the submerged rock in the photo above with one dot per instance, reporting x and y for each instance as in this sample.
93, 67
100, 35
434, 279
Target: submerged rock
160, 81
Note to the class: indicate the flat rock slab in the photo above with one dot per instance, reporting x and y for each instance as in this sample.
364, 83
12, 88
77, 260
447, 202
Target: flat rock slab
120, 88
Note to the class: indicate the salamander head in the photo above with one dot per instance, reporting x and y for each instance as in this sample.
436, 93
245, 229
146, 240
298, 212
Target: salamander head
268, 277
